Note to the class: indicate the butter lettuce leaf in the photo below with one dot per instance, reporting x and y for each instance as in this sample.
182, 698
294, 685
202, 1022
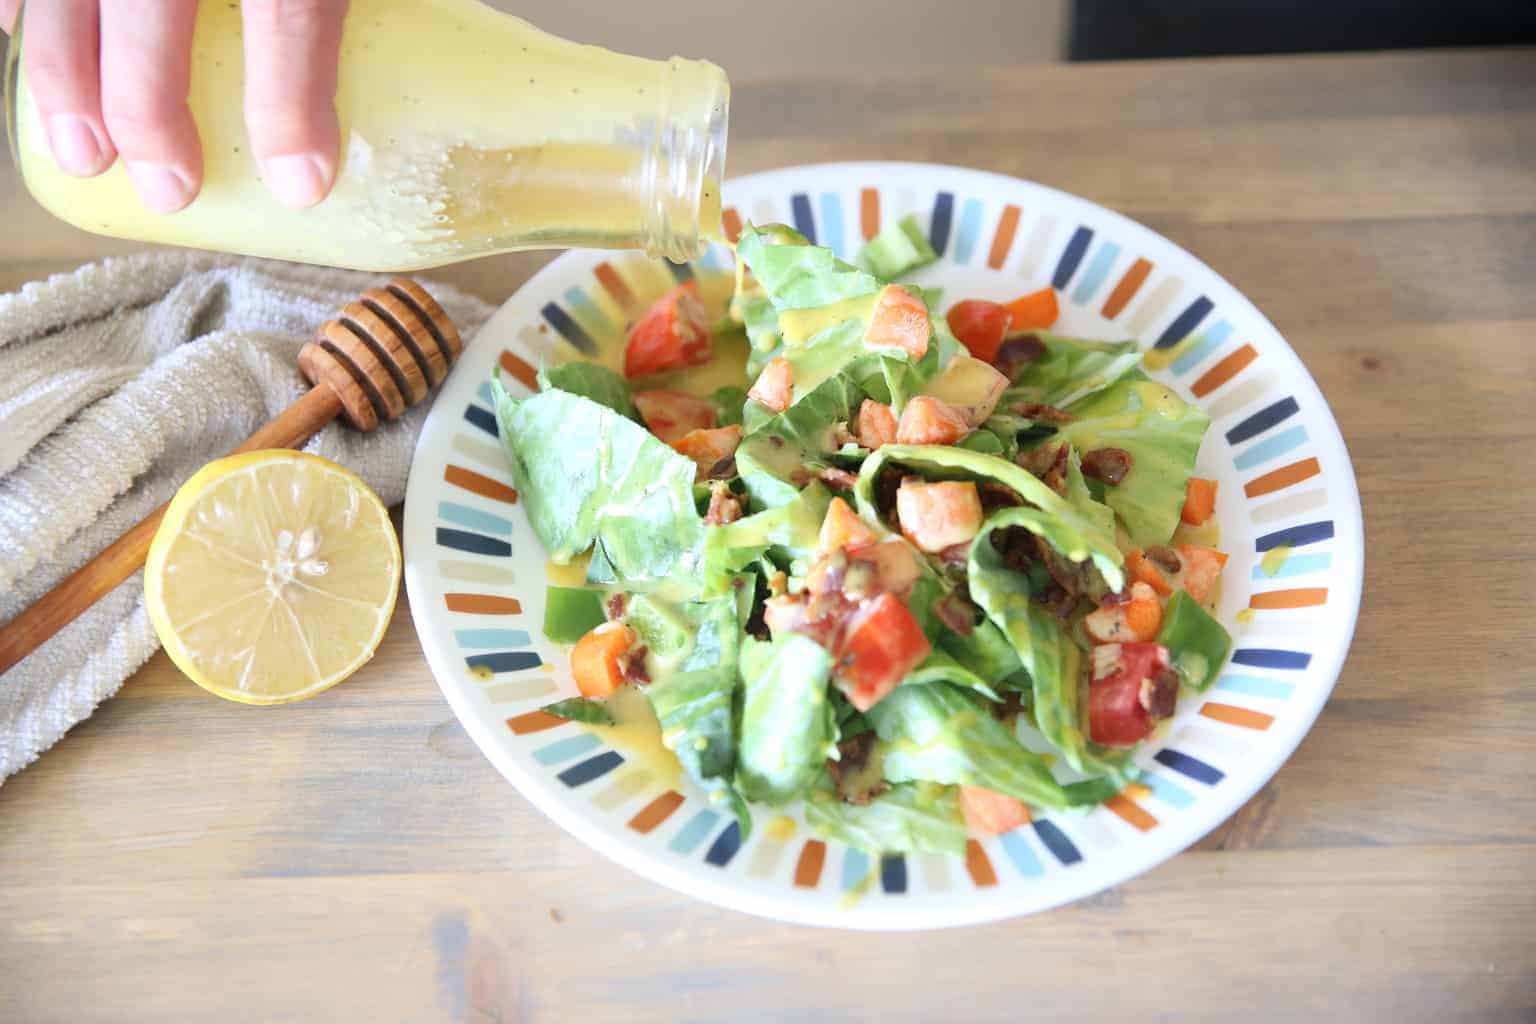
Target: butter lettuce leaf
788, 531
799, 276
1161, 432
900, 248
1054, 663
1069, 529
590, 380
938, 733
693, 693
908, 818
592, 478
787, 721
1071, 369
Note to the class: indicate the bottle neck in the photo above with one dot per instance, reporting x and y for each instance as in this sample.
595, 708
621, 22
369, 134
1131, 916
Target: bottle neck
684, 161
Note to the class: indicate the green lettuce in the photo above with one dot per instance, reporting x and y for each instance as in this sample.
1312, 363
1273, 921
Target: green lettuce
787, 727
938, 733
1066, 527
1161, 432
589, 380
777, 448
1072, 369
591, 478
788, 531
693, 692
911, 818
1053, 661
898, 249
799, 276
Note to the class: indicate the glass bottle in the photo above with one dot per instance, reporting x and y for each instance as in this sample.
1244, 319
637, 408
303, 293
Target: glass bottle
465, 132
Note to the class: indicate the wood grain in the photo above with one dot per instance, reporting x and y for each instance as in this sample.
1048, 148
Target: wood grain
354, 857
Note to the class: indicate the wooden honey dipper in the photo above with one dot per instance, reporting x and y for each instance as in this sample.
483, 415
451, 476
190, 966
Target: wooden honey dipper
381, 356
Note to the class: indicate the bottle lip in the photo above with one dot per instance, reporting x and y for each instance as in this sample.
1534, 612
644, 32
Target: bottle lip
686, 159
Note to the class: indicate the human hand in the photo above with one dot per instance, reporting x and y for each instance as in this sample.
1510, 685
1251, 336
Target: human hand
110, 78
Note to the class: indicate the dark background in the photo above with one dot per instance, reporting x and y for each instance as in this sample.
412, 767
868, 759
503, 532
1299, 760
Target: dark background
1136, 29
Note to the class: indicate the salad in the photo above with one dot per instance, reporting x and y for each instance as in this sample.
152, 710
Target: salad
927, 574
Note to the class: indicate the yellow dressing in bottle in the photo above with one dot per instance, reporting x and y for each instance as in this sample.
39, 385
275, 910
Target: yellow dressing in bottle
464, 131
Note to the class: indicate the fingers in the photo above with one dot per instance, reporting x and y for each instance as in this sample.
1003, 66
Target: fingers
291, 51
8, 12
146, 52
61, 63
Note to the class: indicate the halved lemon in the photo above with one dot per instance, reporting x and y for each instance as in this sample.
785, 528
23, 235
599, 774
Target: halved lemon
272, 576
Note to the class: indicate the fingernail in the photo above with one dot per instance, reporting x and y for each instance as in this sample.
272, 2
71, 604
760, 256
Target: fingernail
297, 180
162, 188
75, 145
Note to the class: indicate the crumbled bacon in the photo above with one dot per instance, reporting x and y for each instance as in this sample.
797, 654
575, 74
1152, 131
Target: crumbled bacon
724, 505
887, 483
1040, 413
1016, 353
1107, 464
856, 783
632, 665
1164, 558
1160, 694
1049, 463
1008, 710
995, 496
837, 479
957, 612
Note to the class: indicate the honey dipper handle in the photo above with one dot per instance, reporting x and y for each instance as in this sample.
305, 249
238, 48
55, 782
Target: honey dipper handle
125, 556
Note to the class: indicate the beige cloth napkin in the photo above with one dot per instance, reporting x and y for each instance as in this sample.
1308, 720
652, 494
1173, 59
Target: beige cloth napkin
116, 383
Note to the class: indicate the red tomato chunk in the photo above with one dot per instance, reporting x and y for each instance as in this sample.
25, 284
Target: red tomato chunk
673, 333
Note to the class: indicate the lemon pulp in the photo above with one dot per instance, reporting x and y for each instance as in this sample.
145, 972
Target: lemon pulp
272, 576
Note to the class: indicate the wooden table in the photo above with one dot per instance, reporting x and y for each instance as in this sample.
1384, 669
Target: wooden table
355, 858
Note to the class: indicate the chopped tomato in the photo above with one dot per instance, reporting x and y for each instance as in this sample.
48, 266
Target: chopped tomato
1132, 687
671, 414
938, 515
1202, 568
877, 424
928, 420
989, 813
1199, 501
882, 643
775, 386
1137, 615
842, 528
707, 447
899, 320
672, 334
597, 659
979, 325
1035, 311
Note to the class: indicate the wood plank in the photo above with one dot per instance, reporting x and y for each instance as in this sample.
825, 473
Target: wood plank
1363, 933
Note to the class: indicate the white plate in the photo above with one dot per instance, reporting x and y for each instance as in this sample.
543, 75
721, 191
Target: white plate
476, 573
